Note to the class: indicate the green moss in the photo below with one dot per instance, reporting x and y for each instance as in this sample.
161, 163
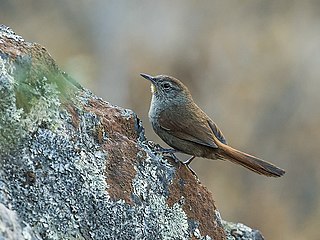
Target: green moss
31, 96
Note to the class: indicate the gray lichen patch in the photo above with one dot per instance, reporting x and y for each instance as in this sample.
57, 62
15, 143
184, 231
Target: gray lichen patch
44, 109
10, 128
150, 195
52, 180
11, 228
7, 32
239, 231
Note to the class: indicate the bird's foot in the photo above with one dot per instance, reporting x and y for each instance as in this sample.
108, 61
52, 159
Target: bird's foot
174, 157
165, 150
169, 151
158, 148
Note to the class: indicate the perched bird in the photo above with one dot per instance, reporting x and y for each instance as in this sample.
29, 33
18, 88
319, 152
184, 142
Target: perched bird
179, 122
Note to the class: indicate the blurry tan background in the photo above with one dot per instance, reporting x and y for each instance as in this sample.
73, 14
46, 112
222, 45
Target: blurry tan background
253, 66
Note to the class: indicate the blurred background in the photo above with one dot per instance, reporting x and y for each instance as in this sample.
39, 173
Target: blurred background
253, 66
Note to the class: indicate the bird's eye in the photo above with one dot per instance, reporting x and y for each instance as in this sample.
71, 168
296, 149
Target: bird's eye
166, 85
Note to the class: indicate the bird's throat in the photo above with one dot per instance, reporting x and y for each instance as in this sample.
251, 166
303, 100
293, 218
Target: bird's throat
153, 88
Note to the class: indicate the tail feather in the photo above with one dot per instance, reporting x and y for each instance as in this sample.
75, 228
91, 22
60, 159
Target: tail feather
253, 163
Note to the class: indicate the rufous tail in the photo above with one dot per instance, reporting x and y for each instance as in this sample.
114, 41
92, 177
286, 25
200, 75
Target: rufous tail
253, 163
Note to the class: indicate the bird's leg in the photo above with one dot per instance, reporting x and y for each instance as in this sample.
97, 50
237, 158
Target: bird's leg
187, 162
192, 171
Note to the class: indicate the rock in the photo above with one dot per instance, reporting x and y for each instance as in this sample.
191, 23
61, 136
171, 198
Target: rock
73, 166
238, 231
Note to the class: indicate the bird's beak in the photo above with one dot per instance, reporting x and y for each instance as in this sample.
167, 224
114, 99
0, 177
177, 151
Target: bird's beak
148, 77
152, 80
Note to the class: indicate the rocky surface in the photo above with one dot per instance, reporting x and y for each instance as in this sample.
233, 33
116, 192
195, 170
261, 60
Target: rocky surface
73, 166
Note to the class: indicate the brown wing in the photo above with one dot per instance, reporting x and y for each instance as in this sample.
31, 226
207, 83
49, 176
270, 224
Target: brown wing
217, 132
189, 127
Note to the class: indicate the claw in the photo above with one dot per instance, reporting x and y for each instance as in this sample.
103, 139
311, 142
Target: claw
169, 151
165, 150
175, 158
171, 154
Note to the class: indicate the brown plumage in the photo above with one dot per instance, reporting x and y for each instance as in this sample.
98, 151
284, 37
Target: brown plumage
184, 126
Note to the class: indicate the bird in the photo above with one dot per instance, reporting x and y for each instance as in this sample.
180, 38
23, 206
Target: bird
185, 127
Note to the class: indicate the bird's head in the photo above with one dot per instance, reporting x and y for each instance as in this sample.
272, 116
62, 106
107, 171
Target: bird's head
167, 88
